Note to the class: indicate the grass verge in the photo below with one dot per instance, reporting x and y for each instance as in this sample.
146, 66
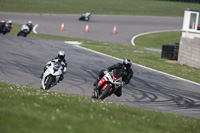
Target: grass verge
33, 110
156, 40
138, 54
119, 7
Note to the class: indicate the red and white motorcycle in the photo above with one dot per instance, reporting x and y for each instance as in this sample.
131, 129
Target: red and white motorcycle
110, 82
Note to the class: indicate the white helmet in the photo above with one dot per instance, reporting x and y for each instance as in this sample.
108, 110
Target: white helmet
10, 22
61, 55
30, 22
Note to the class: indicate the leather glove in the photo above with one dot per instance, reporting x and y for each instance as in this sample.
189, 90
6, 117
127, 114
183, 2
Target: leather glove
105, 71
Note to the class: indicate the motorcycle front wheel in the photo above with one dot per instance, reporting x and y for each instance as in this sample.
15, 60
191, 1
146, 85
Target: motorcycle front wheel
105, 92
19, 34
49, 82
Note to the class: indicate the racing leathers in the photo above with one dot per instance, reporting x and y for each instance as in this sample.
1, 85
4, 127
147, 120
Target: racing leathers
9, 26
127, 74
64, 69
30, 26
2, 26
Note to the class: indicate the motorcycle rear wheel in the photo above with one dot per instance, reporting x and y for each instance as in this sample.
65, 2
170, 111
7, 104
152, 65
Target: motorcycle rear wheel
105, 92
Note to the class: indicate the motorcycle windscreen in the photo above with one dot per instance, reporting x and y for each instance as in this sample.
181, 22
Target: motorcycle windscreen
57, 65
117, 73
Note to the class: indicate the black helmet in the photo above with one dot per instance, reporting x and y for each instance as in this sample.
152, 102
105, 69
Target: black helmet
127, 63
61, 55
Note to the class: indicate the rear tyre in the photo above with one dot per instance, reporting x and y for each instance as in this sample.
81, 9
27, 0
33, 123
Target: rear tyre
105, 92
49, 82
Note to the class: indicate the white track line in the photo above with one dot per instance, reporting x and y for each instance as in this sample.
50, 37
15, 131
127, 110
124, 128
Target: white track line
34, 28
140, 65
133, 38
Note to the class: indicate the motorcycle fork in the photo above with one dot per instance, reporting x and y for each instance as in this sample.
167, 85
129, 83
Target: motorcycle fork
111, 90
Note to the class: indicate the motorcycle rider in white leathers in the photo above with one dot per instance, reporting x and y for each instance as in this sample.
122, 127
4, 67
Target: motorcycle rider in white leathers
30, 26
59, 58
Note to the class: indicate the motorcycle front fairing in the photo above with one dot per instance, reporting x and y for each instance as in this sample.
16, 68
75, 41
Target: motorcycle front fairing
54, 69
113, 79
116, 80
25, 28
117, 74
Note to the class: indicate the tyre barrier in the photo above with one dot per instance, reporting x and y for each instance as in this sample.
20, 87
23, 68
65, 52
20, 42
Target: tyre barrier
170, 52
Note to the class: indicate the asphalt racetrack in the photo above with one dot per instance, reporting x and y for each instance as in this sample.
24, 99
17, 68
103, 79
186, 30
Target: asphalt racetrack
100, 26
22, 60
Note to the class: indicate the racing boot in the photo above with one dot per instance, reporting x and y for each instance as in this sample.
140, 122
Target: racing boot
96, 82
61, 78
95, 94
41, 76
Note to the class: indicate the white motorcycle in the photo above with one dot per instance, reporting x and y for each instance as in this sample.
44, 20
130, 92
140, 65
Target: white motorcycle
86, 17
51, 75
24, 31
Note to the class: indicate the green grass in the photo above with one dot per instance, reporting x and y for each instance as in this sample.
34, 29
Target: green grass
138, 54
38, 111
156, 40
32, 110
147, 58
116, 7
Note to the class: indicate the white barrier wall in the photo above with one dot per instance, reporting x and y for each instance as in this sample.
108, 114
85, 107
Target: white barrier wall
189, 49
189, 52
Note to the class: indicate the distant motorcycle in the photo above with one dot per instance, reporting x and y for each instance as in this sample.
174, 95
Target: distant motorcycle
51, 75
110, 82
86, 17
3, 29
24, 31
6, 27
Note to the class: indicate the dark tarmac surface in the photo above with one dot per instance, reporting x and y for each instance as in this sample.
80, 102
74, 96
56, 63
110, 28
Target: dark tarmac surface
22, 61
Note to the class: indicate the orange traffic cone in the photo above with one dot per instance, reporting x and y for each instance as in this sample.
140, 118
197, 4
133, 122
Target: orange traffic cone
86, 28
115, 29
62, 26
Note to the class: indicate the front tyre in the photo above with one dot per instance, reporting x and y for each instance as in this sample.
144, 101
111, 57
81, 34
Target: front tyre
19, 34
105, 92
49, 82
